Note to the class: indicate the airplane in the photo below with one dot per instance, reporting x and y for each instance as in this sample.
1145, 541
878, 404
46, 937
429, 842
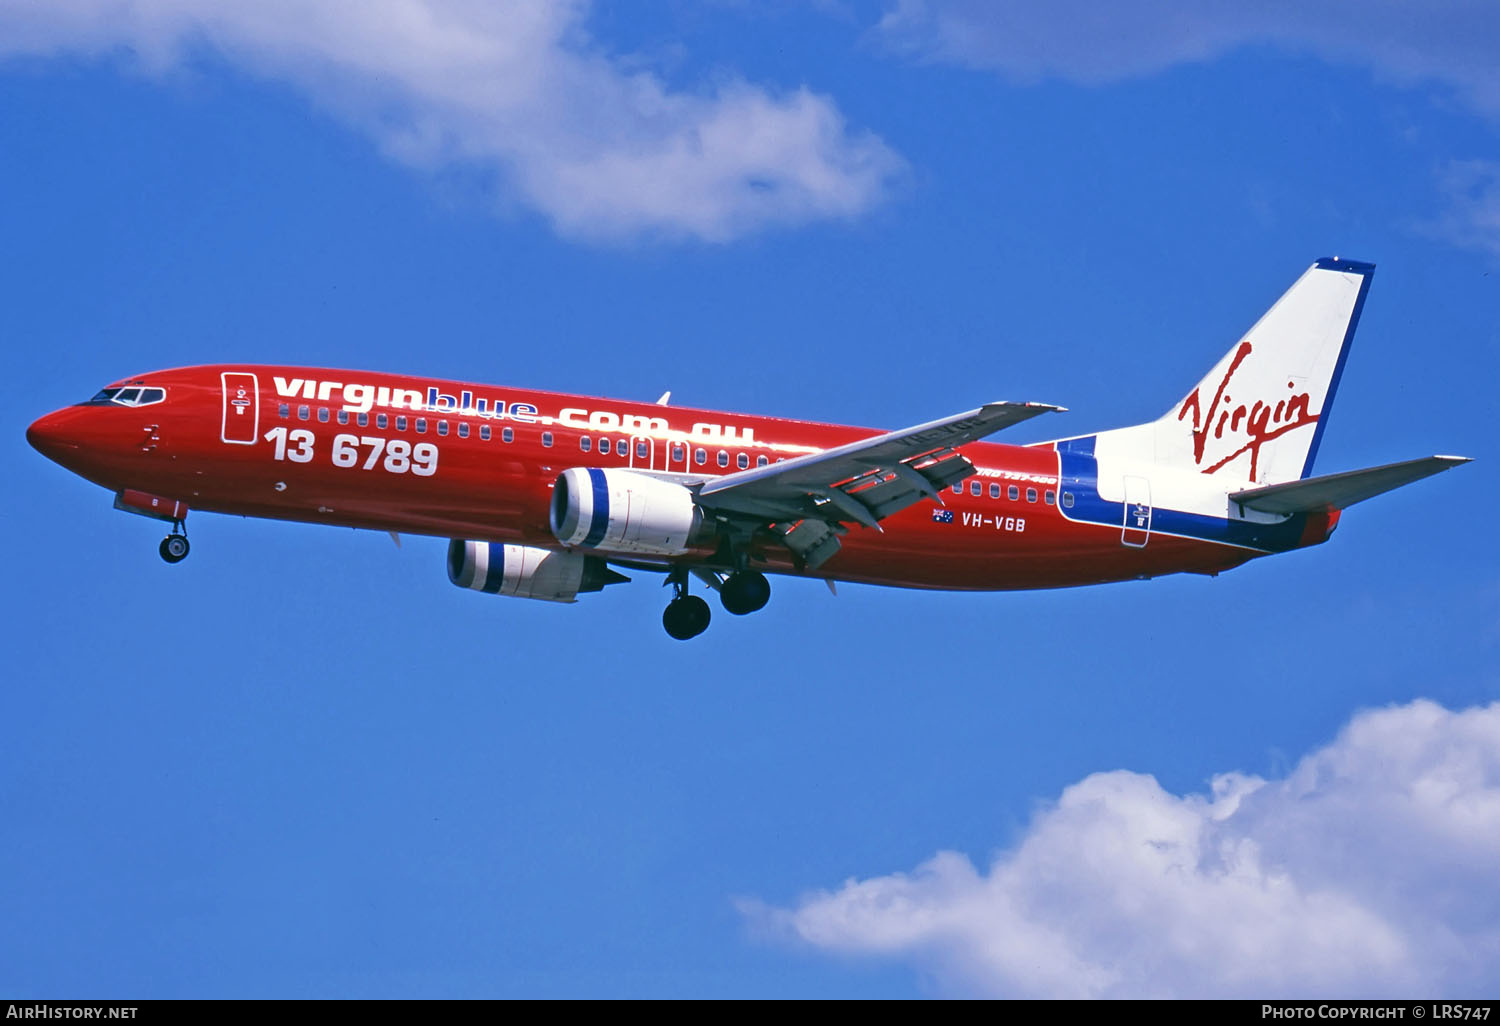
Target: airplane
548, 496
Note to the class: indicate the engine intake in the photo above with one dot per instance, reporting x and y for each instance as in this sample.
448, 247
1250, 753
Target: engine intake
526, 571
624, 511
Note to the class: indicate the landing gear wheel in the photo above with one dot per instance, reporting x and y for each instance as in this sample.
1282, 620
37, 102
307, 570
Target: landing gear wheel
174, 548
745, 591
686, 617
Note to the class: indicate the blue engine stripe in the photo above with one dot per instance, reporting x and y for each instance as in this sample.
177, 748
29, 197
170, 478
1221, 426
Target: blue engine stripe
599, 519
1079, 474
494, 574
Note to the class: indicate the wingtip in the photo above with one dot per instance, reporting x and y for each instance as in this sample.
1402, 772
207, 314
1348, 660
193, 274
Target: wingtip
1040, 407
1455, 460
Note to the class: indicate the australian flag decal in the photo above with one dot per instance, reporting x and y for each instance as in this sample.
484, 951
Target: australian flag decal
942, 516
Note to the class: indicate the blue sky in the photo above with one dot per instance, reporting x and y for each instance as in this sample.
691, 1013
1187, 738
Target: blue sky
303, 764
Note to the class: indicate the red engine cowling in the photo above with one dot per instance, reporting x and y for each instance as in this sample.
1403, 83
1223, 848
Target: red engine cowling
526, 571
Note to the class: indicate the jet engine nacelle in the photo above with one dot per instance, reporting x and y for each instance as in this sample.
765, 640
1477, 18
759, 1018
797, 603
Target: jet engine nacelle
624, 511
525, 571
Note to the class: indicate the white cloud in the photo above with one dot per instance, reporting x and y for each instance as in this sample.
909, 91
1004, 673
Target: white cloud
1370, 870
603, 149
1472, 220
1095, 41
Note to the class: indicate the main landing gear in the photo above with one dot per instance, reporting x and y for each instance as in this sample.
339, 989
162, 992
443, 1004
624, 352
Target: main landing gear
687, 616
745, 591
174, 547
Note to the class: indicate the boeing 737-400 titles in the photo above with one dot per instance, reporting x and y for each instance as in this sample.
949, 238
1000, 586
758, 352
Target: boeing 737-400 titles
548, 496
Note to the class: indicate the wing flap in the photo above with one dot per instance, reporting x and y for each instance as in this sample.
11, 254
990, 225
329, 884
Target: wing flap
807, 500
1340, 491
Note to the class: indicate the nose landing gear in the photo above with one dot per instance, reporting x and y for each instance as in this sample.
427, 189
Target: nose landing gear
174, 547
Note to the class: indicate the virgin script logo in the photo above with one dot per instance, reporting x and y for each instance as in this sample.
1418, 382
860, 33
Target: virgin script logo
1251, 426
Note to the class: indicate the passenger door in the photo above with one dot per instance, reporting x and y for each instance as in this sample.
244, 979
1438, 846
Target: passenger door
240, 421
1136, 530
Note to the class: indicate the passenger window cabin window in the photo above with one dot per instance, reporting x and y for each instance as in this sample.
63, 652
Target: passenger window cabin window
547, 439
994, 490
679, 453
700, 456
1050, 496
1068, 500
322, 415
723, 458
381, 421
975, 488
958, 489
362, 419
463, 429
484, 432
284, 411
642, 450
343, 417
442, 427
1031, 495
1013, 493
303, 412
506, 434
421, 425
604, 446
742, 460
585, 443
400, 423
761, 461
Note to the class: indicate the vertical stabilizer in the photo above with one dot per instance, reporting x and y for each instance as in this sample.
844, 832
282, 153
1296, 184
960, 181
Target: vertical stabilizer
1259, 415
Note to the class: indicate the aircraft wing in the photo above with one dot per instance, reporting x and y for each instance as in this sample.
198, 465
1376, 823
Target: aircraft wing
807, 500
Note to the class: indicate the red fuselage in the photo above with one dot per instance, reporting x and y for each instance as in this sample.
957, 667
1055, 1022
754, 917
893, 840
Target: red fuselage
477, 462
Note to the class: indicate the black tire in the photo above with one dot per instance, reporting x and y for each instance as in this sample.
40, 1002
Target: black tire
745, 591
686, 617
174, 548
698, 612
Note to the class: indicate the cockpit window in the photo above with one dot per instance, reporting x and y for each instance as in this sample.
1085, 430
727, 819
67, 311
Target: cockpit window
128, 397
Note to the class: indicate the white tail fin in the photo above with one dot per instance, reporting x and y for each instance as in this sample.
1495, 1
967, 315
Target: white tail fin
1259, 415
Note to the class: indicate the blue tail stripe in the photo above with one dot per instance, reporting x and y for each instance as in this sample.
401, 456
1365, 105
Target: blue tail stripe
1079, 474
1348, 267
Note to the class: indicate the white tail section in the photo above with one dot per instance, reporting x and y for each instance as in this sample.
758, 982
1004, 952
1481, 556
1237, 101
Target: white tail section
1259, 415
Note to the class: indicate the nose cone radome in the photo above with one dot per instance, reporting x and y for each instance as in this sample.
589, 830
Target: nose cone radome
56, 435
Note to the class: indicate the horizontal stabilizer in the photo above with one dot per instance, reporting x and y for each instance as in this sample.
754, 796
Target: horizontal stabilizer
1340, 491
